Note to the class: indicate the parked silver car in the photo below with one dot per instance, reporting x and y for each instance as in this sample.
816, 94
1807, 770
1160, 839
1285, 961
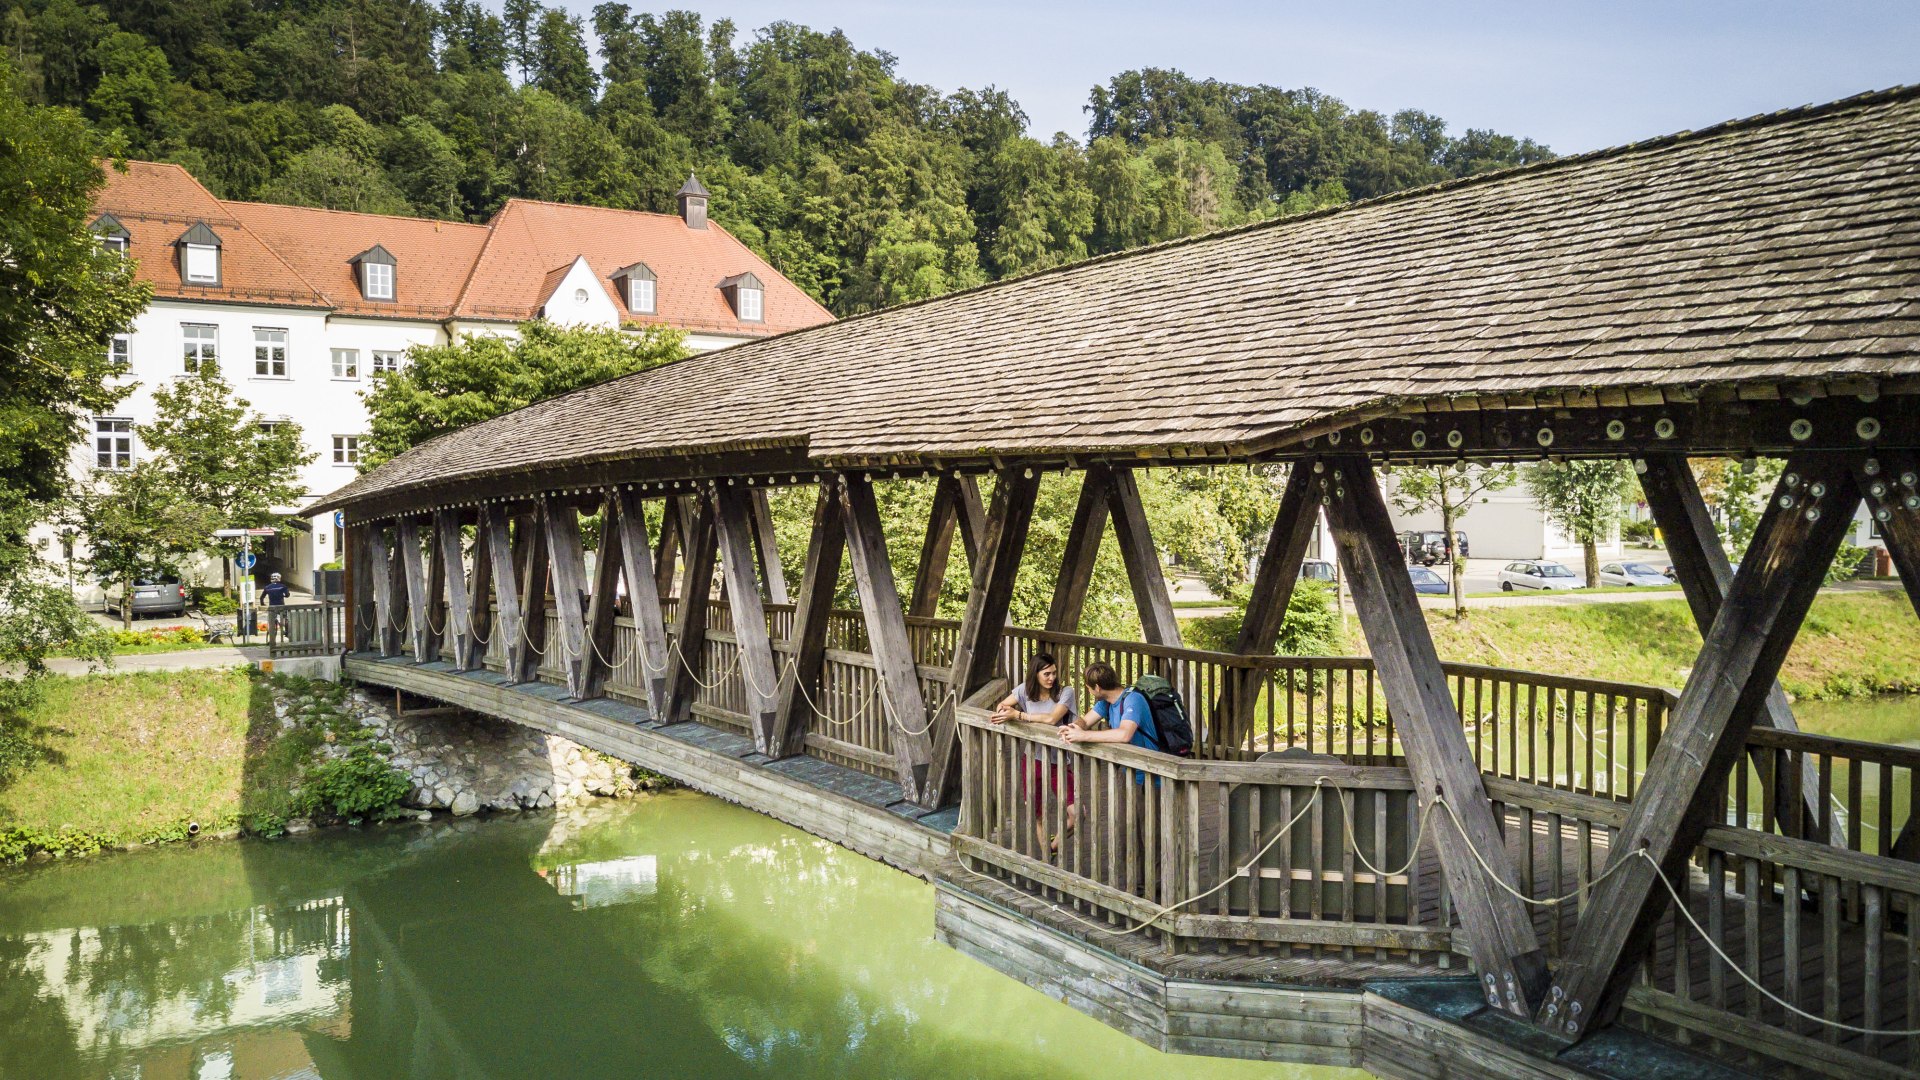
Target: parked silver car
151, 596
1537, 574
1316, 570
1632, 573
1427, 582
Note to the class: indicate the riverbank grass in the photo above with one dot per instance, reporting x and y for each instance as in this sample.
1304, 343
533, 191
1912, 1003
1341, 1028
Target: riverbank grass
1852, 644
129, 759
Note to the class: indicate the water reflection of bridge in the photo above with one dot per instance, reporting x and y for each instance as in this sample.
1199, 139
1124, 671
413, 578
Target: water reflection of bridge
1685, 297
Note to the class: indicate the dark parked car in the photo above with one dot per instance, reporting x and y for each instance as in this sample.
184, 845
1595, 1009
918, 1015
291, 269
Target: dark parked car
1426, 581
151, 596
1429, 546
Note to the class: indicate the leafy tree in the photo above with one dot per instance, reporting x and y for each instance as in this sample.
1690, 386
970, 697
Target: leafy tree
561, 65
1584, 499
227, 460
337, 179
445, 387
1450, 491
137, 522
1736, 491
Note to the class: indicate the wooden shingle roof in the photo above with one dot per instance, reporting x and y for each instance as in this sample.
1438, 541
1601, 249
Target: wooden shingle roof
1780, 247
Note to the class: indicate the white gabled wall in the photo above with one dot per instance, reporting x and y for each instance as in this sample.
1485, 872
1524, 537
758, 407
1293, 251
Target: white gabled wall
581, 299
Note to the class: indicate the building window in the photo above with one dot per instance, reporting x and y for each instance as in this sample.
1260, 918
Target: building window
113, 442
203, 264
640, 295
115, 244
199, 344
346, 449
579, 296
268, 427
269, 353
386, 362
379, 277
750, 303
346, 363
120, 350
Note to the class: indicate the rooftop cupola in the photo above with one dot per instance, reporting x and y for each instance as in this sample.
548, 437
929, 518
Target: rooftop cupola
693, 203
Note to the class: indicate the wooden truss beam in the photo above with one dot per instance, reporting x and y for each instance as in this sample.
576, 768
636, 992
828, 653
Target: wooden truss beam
759, 676
568, 561
1498, 928
673, 518
413, 570
1158, 626
1701, 567
451, 571
956, 503
530, 556
892, 650
1273, 586
603, 605
976, 653
1682, 792
362, 622
690, 615
480, 622
383, 575
1891, 481
818, 583
509, 619
766, 548
1083, 548
643, 599
439, 622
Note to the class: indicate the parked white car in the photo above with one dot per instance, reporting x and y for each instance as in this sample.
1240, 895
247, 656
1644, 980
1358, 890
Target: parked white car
1538, 574
1632, 573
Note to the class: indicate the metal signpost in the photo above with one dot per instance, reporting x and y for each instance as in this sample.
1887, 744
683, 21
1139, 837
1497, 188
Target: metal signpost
246, 620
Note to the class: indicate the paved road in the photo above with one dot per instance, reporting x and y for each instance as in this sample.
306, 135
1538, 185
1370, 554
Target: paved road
167, 661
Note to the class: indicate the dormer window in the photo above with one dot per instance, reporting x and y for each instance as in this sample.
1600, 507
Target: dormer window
199, 252
113, 235
374, 268
639, 287
693, 203
747, 296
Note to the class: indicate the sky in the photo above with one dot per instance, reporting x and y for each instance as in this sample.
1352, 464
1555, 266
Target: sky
1576, 76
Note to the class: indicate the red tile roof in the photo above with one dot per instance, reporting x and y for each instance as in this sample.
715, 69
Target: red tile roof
298, 256
531, 238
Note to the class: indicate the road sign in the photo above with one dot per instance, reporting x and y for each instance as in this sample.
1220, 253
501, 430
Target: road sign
245, 560
339, 519
230, 534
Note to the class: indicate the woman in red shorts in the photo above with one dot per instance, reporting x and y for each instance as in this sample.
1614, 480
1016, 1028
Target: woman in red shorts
1041, 699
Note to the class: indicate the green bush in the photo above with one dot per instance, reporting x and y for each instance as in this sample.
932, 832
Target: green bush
170, 635
1311, 627
214, 603
359, 785
333, 564
1637, 532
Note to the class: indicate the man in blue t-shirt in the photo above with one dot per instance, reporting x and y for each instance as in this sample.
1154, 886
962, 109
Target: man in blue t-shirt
1128, 715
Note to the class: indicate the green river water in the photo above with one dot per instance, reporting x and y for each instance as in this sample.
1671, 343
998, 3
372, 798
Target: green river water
670, 936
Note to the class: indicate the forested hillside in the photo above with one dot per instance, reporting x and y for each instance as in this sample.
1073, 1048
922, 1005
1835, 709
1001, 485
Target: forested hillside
863, 188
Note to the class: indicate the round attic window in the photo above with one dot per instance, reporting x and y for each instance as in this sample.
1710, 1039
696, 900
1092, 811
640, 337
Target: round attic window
579, 296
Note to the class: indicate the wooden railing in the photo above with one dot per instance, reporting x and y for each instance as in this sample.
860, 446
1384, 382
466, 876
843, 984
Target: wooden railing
316, 629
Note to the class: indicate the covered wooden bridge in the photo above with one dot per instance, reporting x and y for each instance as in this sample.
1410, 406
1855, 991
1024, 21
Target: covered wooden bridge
1451, 870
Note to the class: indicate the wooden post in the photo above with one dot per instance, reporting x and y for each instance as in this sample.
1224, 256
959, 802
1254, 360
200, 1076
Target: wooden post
673, 526
603, 605
397, 592
381, 573
976, 652
362, 621
1891, 480
1700, 565
1499, 931
480, 622
509, 624
452, 572
1683, 789
643, 597
758, 674
438, 621
569, 567
419, 602
1083, 547
766, 548
530, 555
1150, 596
973, 517
690, 617
935, 548
1273, 587
818, 583
893, 657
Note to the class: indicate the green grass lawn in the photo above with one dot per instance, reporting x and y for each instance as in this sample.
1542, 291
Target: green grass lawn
1852, 644
136, 756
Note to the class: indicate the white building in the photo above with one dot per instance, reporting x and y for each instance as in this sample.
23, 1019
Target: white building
303, 308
